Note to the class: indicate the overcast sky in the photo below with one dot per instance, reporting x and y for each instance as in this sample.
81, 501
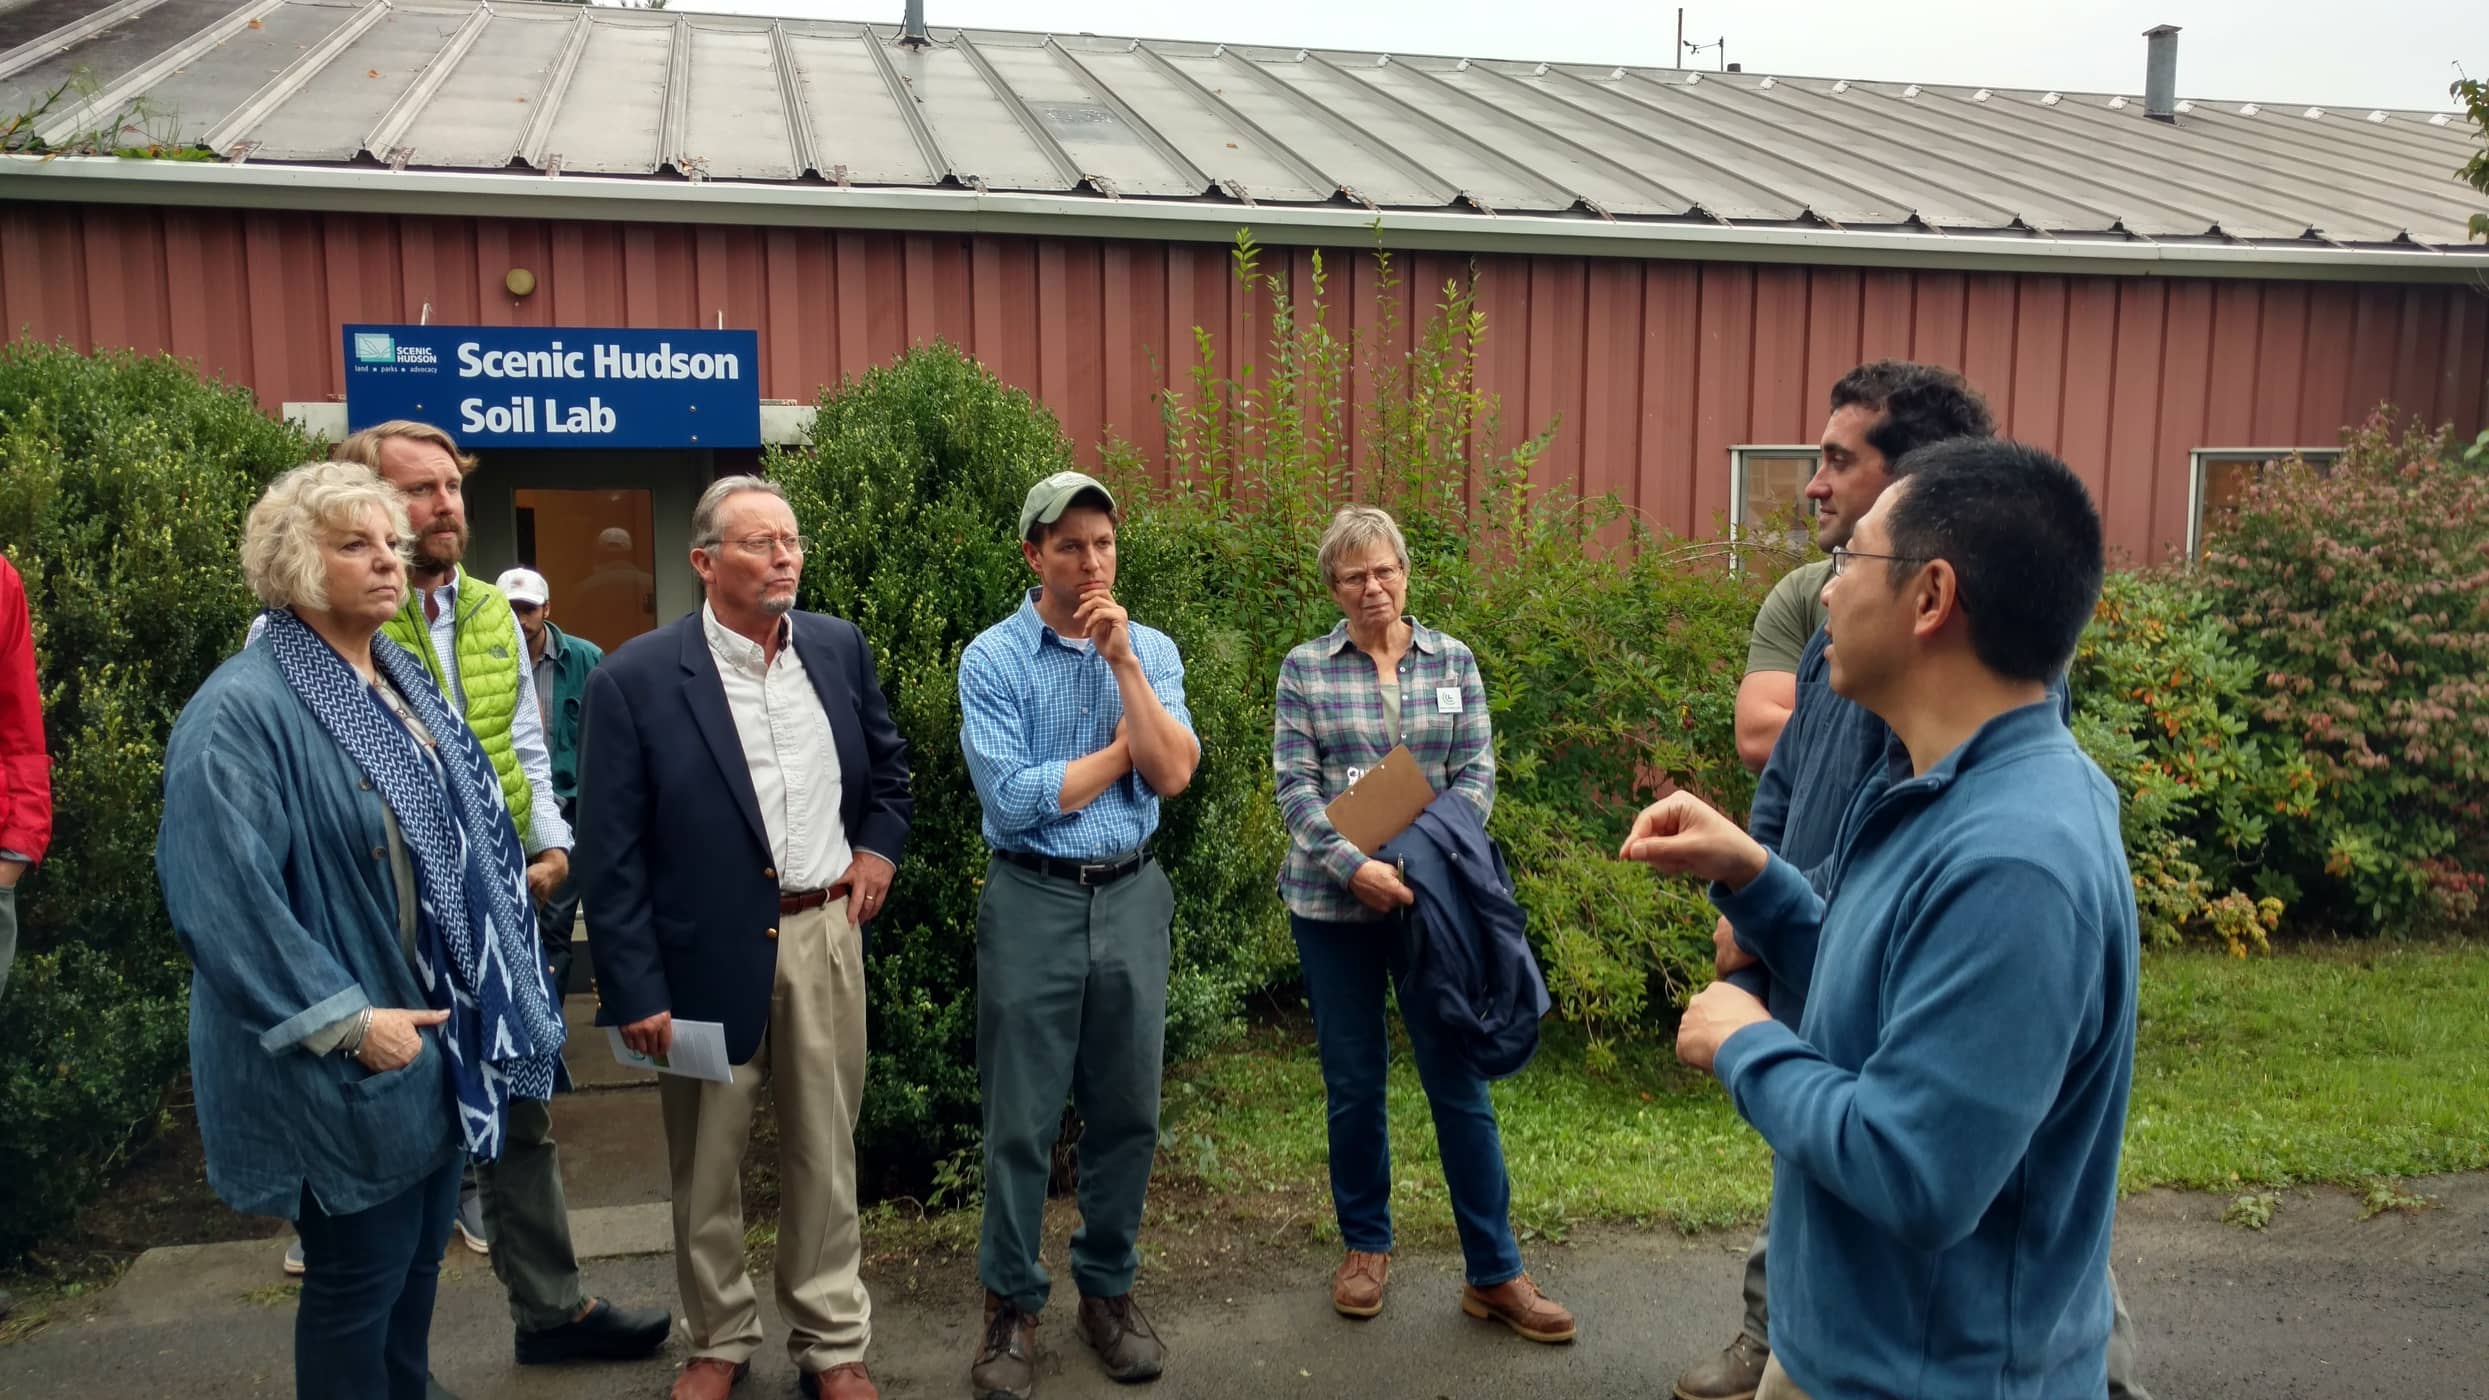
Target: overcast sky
2347, 53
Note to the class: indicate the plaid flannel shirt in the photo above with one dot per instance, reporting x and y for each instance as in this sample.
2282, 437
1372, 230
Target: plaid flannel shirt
1330, 729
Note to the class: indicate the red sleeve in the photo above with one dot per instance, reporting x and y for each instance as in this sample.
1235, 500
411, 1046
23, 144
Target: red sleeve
25, 766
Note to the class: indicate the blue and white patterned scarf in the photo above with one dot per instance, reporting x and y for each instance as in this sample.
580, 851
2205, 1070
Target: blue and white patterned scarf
475, 950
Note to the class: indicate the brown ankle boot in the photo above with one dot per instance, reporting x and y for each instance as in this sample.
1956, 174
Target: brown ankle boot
1735, 1374
1357, 1289
1127, 1346
1520, 1306
1006, 1365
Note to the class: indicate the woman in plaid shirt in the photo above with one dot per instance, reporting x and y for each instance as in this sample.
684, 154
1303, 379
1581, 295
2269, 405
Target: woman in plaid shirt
1378, 679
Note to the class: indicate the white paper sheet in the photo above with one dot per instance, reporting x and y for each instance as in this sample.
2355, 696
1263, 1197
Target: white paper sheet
699, 1052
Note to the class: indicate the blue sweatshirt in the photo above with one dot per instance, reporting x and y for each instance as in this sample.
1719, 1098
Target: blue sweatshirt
1945, 1121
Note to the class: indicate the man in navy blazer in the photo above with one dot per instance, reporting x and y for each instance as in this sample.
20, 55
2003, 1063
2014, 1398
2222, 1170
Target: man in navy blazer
743, 799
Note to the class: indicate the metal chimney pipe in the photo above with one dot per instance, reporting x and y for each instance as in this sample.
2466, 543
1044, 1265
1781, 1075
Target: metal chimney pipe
912, 28
2160, 73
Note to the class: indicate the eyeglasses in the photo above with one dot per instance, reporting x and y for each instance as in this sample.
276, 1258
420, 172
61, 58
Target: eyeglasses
767, 546
1842, 554
1386, 576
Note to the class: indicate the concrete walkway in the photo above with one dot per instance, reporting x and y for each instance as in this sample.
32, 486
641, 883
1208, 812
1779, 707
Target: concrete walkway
2321, 1305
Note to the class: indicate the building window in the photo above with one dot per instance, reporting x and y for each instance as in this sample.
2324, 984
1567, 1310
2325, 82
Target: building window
1767, 502
2218, 477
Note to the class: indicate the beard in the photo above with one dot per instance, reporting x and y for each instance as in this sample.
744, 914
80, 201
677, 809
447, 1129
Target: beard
426, 561
775, 606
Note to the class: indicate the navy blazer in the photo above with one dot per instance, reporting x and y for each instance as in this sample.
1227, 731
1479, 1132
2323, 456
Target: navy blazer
675, 870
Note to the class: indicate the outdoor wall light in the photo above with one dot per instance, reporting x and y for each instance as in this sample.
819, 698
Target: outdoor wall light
520, 281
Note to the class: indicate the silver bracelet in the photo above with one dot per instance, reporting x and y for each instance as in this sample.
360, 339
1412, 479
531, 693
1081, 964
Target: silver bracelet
353, 1043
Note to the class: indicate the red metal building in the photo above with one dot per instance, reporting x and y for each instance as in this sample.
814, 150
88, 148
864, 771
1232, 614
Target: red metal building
1675, 266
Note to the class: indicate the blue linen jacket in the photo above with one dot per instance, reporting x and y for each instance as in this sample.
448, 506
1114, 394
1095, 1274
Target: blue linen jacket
274, 859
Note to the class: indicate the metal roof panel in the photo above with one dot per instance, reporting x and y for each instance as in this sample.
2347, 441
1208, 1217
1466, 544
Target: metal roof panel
450, 84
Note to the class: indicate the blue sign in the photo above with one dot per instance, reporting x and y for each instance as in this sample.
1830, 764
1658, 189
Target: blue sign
568, 386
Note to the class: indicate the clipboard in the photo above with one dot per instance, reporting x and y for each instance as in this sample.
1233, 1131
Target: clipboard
1383, 801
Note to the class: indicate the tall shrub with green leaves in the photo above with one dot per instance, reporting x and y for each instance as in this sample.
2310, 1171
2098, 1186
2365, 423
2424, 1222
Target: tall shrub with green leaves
123, 484
1607, 666
910, 485
2362, 593
2164, 703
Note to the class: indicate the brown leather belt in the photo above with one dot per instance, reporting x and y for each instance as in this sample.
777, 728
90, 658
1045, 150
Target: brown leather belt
802, 900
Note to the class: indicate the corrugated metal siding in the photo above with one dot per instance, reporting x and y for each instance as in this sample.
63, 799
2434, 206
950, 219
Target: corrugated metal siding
1655, 369
456, 85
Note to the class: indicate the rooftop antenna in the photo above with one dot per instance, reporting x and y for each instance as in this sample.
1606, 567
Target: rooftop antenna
1720, 44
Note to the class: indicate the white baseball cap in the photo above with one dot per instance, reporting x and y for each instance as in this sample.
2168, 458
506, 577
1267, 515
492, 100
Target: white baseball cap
524, 586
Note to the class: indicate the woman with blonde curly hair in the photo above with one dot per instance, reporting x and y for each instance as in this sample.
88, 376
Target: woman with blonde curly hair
366, 996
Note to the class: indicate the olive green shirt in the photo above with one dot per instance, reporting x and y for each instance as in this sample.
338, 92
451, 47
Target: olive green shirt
1788, 619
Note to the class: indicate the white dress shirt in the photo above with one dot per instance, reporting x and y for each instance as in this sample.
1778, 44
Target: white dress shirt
787, 744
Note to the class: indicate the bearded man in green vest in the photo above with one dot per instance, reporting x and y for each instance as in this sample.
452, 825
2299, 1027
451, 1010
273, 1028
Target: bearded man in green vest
462, 629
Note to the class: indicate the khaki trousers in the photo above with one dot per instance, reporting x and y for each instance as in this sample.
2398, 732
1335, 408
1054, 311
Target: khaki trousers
1777, 1385
812, 1056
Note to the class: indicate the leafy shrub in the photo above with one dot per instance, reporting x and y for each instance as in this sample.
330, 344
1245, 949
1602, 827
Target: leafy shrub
85, 1055
123, 484
2362, 594
1610, 655
2163, 703
910, 485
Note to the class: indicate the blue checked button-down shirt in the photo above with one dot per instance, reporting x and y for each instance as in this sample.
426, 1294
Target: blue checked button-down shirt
1330, 727
1030, 702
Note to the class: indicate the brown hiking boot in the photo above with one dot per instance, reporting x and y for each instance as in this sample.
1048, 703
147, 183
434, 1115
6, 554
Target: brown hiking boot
1520, 1306
1006, 1365
1357, 1289
1735, 1374
1127, 1347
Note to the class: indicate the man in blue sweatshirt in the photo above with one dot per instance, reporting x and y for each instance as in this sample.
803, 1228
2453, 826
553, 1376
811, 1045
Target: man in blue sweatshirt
1947, 1116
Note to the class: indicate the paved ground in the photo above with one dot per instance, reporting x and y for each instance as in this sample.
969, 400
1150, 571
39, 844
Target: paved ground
2321, 1305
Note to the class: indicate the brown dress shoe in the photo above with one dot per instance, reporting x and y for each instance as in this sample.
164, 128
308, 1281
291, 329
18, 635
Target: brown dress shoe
1520, 1306
848, 1380
710, 1378
1735, 1374
1127, 1346
1357, 1289
1006, 1365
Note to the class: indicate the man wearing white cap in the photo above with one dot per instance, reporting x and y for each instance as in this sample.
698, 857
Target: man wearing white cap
1073, 722
559, 663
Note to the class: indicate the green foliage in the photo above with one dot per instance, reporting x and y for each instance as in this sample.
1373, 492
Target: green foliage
139, 131
911, 486
85, 1055
2362, 595
2474, 95
2164, 704
123, 484
1610, 654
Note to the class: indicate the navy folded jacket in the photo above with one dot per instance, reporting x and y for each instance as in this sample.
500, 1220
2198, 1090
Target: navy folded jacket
1470, 967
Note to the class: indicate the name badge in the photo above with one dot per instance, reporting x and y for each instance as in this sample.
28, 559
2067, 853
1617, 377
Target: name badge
1448, 699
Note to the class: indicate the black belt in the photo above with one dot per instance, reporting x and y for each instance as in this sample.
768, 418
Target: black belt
1087, 873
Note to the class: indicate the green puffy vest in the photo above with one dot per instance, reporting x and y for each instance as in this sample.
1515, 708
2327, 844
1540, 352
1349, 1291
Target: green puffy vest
490, 653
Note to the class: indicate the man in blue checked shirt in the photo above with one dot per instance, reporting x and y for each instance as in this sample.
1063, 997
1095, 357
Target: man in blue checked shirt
1072, 719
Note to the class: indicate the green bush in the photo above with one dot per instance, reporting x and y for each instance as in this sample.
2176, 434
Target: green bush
2361, 591
2163, 703
911, 484
85, 1055
1610, 653
123, 484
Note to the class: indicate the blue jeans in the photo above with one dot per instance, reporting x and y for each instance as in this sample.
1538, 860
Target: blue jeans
362, 1327
1347, 966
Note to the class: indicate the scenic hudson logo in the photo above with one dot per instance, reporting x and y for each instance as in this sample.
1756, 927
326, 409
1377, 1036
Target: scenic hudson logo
381, 348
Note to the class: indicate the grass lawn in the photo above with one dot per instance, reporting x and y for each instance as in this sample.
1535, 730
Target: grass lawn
2340, 1063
